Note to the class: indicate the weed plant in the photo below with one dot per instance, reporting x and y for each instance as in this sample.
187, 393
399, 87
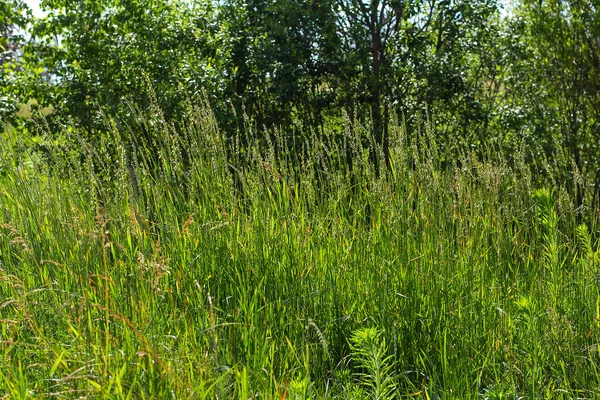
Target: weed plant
197, 267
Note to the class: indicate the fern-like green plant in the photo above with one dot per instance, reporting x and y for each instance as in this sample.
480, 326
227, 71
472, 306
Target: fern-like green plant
547, 218
548, 221
588, 252
369, 351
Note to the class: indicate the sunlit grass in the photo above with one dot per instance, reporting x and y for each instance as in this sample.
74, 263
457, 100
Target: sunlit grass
171, 270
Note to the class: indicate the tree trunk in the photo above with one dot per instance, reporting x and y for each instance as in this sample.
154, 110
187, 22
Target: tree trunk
375, 89
379, 133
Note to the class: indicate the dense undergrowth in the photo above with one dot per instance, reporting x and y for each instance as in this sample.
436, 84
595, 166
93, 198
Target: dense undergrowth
190, 268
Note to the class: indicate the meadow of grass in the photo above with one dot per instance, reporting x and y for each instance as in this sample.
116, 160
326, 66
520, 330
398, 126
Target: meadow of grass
193, 268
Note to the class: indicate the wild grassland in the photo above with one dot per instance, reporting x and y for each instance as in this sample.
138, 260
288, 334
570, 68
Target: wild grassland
148, 274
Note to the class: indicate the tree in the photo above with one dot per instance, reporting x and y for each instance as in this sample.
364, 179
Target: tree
278, 60
382, 22
111, 53
413, 53
14, 16
555, 77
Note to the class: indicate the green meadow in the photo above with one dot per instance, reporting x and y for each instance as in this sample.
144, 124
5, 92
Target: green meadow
192, 268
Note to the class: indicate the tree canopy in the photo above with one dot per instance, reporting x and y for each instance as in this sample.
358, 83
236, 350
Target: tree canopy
481, 77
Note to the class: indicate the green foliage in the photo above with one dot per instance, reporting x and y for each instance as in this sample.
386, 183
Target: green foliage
225, 192
14, 15
488, 81
109, 53
282, 64
553, 70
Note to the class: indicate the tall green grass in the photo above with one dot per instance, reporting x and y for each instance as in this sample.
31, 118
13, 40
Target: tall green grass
197, 267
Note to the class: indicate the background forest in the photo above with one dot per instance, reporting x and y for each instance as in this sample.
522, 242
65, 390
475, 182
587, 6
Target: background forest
482, 77
300, 199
